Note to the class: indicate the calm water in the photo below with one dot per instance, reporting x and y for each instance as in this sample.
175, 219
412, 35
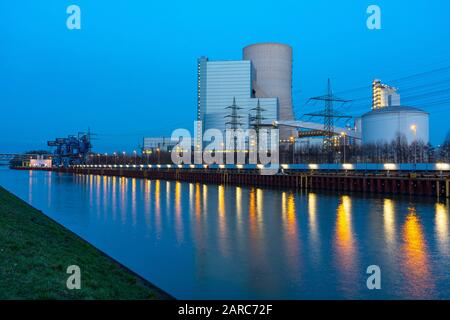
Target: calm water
210, 241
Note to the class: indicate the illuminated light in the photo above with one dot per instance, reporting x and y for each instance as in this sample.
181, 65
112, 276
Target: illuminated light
260, 166
127, 166
390, 166
134, 166
205, 166
348, 166
313, 166
239, 166
149, 165
158, 165
180, 166
192, 166
443, 166
121, 166
168, 166
285, 166
141, 165
221, 166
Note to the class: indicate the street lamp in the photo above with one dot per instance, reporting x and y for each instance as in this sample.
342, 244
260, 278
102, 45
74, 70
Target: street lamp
414, 130
159, 152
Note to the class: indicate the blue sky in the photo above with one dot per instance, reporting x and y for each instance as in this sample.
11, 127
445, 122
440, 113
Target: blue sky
131, 70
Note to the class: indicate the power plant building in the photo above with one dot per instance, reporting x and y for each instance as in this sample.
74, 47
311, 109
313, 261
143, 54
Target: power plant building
388, 119
222, 82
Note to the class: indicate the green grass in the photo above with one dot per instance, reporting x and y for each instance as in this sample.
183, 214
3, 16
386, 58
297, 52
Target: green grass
35, 252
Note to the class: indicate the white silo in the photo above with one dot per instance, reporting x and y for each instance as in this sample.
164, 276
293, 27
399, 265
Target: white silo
383, 124
273, 66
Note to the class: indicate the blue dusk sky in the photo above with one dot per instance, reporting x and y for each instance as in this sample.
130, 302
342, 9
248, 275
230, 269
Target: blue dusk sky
131, 69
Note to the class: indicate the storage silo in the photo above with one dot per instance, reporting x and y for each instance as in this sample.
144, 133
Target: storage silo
273, 77
383, 125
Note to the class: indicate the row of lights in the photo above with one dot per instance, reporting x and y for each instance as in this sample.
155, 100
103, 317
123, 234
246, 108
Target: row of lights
192, 166
312, 166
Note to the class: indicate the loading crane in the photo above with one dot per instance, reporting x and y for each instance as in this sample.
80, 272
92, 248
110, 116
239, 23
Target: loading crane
72, 150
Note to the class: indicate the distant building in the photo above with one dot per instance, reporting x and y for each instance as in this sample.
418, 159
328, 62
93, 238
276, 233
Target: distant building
384, 96
154, 144
40, 163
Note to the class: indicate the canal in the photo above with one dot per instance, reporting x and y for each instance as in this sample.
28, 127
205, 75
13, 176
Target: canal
199, 241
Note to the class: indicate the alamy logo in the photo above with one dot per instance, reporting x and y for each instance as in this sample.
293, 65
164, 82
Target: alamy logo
231, 146
74, 280
374, 20
73, 21
374, 280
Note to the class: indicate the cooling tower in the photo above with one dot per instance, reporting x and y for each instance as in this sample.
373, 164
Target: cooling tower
273, 66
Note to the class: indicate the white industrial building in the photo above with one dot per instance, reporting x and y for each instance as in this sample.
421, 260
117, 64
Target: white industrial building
40, 162
384, 125
264, 75
388, 118
221, 82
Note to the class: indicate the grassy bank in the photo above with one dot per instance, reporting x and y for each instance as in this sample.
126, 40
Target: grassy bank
35, 253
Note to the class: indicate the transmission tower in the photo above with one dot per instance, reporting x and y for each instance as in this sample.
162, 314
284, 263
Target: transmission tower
256, 120
328, 115
234, 123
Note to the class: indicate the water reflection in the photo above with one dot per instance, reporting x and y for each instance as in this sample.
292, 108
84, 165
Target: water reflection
415, 257
157, 197
345, 246
147, 197
178, 208
389, 222
239, 242
312, 219
442, 225
290, 226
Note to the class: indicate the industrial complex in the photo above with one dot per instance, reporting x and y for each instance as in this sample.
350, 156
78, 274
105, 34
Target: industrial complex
257, 92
